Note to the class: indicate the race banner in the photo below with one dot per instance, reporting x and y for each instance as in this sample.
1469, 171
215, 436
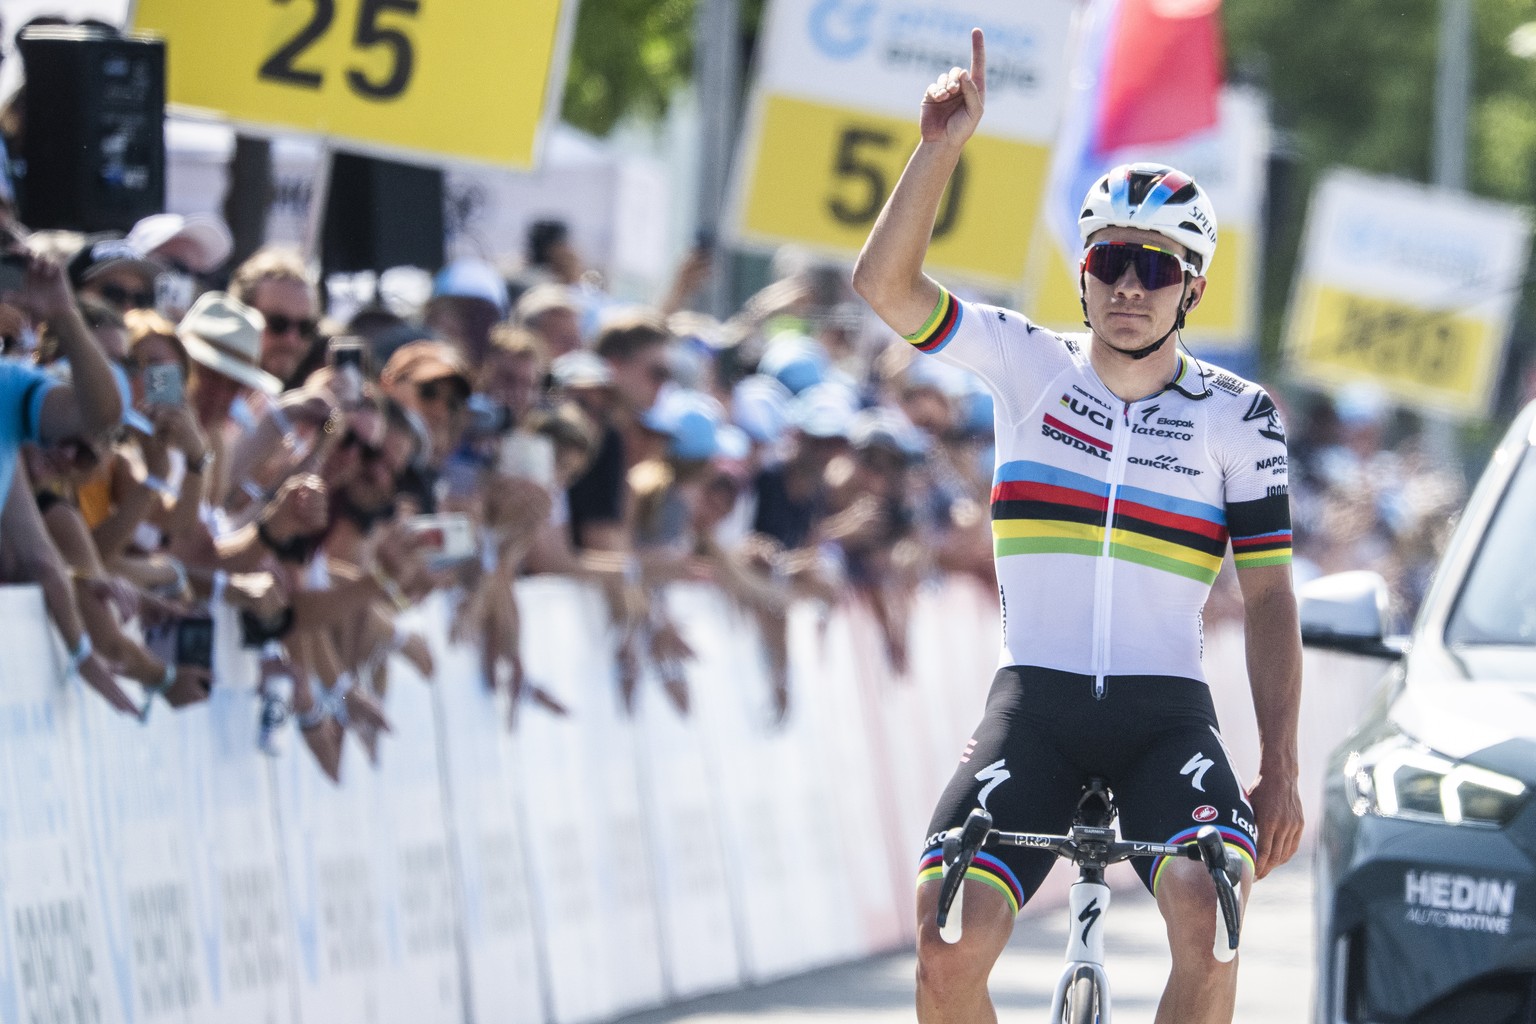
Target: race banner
471, 82
1408, 287
833, 119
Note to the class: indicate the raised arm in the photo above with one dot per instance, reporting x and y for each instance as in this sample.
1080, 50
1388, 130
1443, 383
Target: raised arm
889, 272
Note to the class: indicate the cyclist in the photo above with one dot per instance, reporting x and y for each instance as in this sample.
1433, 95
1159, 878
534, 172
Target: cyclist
1124, 467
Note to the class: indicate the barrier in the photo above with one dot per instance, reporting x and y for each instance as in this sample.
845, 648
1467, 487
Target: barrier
571, 871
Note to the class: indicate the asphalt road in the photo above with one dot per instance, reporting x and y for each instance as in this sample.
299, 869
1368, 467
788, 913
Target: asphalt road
1275, 985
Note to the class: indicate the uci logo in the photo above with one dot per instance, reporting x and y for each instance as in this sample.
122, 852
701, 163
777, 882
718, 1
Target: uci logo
1082, 409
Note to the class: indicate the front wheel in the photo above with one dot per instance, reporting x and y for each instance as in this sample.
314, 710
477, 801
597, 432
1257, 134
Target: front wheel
1082, 1004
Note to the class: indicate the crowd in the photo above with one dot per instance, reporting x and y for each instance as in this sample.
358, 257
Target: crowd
171, 446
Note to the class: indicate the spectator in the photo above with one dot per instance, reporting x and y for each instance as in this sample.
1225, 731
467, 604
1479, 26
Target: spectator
188, 249
279, 287
468, 298
552, 312
116, 272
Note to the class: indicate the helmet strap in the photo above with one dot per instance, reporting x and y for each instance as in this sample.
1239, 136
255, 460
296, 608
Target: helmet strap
1138, 353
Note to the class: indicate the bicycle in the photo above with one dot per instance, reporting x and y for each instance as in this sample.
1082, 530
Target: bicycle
1082, 992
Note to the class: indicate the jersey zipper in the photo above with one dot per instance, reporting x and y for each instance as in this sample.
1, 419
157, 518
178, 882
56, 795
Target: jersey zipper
1119, 439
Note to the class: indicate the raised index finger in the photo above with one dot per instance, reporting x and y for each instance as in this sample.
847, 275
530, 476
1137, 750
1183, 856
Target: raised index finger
979, 61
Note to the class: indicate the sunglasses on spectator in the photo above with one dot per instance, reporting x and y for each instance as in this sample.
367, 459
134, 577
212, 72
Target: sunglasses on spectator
277, 323
1155, 268
122, 298
370, 452
444, 389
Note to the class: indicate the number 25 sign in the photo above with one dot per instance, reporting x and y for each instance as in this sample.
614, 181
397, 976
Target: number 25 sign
468, 81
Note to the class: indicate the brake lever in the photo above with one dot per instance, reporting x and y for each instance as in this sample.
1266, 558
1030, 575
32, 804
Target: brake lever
960, 848
1230, 921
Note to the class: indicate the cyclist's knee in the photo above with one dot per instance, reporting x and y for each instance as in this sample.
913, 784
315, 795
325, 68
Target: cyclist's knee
1187, 898
944, 967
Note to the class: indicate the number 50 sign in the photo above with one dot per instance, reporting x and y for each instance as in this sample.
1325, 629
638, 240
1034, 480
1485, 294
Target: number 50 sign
464, 80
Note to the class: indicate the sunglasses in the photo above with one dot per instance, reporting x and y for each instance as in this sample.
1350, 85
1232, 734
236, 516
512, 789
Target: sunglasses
370, 452
445, 389
122, 298
277, 323
1155, 268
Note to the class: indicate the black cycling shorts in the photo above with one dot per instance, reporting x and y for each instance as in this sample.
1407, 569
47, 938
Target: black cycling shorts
1153, 739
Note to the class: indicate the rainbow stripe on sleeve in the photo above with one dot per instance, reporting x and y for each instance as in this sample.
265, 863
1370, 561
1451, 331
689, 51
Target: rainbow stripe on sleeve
941, 326
1261, 531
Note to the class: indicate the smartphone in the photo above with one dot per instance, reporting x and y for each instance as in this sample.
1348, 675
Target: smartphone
13, 271
194, 642
527, 456
444, 538
163, 384
348, 358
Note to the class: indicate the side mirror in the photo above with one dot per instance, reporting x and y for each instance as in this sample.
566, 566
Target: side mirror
1347, 611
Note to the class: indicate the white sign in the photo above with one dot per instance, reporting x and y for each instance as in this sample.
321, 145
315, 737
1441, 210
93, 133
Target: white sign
1409, 287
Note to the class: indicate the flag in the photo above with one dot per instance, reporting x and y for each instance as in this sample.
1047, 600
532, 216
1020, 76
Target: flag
1144, 72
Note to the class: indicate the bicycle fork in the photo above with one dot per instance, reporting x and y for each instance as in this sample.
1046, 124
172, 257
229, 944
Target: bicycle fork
1089, 903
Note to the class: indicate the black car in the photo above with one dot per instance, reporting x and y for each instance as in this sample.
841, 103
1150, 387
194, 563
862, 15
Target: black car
1426, 860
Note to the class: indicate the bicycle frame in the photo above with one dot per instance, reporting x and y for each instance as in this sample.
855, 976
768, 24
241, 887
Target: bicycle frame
1092, 845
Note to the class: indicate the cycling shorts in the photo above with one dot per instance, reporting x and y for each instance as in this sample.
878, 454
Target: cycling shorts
1044, 733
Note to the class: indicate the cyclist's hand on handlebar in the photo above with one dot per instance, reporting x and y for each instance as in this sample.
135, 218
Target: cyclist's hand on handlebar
953, 103
1277, 813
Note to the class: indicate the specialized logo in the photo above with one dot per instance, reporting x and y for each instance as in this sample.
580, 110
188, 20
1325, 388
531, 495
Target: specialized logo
993, 775
1204, 813
1463, 902
1089, 917
1094, 416
1196, 767
1263, 408
1168, 463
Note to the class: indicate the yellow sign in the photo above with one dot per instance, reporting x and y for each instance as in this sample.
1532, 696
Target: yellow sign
1440, 359
446, 77
820, 174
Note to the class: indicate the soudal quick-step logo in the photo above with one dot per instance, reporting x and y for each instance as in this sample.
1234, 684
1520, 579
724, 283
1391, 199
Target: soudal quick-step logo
1442, 900
1071, 436
1168, 463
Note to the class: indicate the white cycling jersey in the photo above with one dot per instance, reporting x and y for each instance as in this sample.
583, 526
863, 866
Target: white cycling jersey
1110, 519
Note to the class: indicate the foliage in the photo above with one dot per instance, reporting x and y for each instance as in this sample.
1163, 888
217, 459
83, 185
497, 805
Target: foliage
629, 57
1352, 83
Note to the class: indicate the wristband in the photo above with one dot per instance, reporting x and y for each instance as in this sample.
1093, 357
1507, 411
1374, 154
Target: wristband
313, 718
181, 575
390, 587
151, 692
160, 487
218, 586
83, 650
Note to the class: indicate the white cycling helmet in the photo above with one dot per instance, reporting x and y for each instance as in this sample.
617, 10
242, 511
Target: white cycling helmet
1153, 197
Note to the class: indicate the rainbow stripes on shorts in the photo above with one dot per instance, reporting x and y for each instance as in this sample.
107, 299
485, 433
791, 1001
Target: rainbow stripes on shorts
985, 869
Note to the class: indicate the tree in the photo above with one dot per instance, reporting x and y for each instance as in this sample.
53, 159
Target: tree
629, 57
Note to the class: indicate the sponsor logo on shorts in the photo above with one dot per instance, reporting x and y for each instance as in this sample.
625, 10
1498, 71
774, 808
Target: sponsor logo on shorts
1244, 824
994, 775
1204, 813
1195, 768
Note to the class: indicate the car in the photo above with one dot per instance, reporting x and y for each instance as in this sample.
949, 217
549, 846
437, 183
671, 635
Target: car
1425, 865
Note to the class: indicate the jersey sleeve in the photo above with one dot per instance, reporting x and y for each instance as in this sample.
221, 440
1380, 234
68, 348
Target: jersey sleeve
1258, 502
992, 342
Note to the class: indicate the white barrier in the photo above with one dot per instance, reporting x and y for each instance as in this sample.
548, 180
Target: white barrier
571, 871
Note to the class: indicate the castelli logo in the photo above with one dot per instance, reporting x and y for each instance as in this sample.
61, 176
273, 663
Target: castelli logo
1203, 813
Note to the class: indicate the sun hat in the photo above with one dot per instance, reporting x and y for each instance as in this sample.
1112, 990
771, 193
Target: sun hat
204, 235
471, 279
224, 334
102, 253
581, 369
691, 418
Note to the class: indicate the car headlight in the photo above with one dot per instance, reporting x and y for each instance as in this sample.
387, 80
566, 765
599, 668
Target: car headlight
1400, 778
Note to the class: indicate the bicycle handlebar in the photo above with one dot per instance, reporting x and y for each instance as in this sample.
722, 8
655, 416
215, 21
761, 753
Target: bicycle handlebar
1087, 846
